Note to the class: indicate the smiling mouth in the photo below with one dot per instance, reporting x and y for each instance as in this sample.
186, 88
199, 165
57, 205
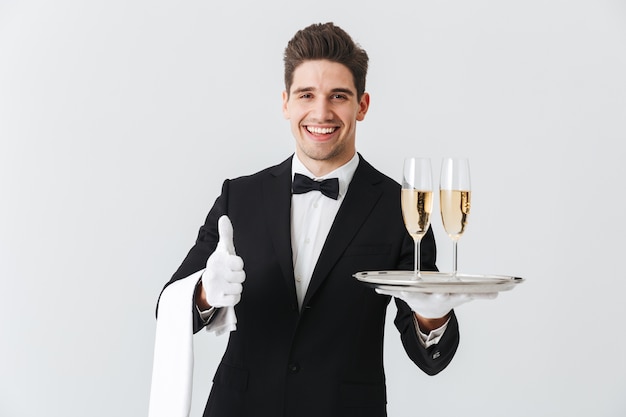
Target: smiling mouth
320, 130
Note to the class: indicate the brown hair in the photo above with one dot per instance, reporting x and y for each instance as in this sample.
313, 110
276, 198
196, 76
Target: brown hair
330, 42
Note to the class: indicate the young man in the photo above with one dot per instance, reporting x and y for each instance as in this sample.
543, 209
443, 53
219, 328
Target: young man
309, 336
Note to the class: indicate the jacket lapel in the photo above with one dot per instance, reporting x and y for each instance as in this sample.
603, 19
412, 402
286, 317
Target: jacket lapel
277, 206
361, 197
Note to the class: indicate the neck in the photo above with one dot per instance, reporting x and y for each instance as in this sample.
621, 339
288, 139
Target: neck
319, 168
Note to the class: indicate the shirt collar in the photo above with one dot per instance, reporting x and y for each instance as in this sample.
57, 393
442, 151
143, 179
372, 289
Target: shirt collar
344, 173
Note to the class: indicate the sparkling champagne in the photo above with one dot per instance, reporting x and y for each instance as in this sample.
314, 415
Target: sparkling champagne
455, 208
417, 206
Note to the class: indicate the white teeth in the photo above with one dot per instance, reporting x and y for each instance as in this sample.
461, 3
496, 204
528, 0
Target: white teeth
321, 130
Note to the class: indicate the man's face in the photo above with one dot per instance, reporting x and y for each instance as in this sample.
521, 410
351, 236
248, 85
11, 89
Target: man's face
323, 109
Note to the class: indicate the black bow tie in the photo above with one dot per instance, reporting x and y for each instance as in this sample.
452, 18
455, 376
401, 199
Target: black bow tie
303, 184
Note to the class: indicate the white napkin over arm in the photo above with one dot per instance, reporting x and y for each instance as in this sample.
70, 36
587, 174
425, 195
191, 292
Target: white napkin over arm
172, 368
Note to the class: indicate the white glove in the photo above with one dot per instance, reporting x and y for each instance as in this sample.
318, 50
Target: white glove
435, 305
224, 275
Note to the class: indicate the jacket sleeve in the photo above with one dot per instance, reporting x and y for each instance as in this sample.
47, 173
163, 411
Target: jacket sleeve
435, 358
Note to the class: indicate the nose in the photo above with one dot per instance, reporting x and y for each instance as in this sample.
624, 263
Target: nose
322, 110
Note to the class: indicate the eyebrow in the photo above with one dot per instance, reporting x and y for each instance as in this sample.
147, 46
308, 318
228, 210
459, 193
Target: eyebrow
346, 91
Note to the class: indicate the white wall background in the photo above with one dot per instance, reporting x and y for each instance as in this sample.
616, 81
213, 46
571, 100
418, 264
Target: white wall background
120, 119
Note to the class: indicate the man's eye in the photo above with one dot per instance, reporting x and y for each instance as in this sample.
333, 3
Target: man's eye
338, 97
306, 95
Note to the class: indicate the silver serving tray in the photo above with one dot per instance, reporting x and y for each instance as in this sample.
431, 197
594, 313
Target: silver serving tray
438, 282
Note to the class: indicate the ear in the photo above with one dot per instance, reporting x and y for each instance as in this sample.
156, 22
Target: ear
285, 102
364, 104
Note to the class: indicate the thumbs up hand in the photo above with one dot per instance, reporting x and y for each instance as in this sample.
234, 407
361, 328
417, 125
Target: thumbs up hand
224, 275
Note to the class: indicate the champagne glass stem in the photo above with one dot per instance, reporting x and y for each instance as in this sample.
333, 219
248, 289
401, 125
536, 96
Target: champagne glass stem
417, 274
454, 257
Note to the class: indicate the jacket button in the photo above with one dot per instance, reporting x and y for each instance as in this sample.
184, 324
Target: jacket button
436, 354
294, 367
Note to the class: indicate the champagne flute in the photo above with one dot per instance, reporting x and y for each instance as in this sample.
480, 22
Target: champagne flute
417, 202
455, 200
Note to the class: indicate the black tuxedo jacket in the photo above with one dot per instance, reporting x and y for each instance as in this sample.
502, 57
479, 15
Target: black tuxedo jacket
325, 359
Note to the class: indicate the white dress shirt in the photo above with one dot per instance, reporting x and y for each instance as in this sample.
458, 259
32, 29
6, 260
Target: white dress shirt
312, 214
